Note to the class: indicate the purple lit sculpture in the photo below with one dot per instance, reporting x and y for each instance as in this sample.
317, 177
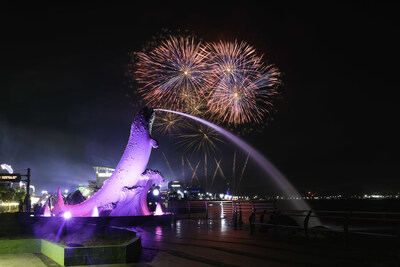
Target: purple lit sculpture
125, 192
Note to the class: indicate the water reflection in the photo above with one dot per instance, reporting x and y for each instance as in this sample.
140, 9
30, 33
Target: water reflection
224, 225
158, 233
178, 228
200, 225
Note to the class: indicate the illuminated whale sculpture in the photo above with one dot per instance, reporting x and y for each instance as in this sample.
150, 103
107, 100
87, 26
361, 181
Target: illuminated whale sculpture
125, 192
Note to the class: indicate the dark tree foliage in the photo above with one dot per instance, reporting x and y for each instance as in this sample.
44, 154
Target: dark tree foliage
7, 193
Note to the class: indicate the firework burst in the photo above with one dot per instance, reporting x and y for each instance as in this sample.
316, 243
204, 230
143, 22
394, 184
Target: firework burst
233, 61
173, 74
224, 82
242, 85
199, 138
168, 123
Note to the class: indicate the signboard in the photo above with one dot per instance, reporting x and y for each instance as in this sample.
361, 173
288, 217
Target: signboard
10, 177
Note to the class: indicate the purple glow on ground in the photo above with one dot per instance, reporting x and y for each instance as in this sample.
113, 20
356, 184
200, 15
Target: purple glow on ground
60, 230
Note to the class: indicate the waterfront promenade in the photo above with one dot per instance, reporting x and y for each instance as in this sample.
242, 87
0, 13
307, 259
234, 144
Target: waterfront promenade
198, 242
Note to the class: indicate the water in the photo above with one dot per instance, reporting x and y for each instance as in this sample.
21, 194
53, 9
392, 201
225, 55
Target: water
278, 178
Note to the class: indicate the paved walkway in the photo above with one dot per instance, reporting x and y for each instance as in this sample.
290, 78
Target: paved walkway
214, 243
20, 260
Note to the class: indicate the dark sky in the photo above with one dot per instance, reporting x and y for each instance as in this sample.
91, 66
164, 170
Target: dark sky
63, 104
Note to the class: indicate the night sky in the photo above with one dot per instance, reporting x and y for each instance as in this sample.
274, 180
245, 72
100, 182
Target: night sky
64, 105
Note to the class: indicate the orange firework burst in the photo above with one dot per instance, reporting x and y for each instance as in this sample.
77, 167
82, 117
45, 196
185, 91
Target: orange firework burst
200, 138
173, 74
168, 123
227, 82
242, 84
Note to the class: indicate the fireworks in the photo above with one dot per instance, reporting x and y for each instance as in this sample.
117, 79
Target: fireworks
173, 74
234, 61
226, 82
242, 85
168, 123
199, 138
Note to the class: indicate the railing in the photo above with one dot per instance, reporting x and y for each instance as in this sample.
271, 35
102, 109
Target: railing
267, 215
380, 224
218, 209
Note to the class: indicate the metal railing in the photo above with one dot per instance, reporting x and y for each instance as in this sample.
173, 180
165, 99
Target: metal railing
212, 209
384, 224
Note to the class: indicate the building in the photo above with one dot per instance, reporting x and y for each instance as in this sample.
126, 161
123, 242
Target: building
176, 190
175, 186
102, 174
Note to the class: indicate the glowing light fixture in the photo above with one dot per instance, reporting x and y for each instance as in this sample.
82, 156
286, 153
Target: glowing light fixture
67, 215
156, 191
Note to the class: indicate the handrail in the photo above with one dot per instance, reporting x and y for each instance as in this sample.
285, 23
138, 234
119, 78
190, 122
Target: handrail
240, 209
346, 211
301, 214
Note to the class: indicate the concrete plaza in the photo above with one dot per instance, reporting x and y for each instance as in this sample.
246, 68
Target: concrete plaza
199, 242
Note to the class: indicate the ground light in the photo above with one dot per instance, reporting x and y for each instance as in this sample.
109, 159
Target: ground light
67, 215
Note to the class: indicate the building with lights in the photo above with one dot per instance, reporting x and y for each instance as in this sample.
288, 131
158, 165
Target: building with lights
175, 190
178, 190
175, 185
102, 174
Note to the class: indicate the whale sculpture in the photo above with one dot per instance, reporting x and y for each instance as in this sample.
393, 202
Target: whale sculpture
125, 191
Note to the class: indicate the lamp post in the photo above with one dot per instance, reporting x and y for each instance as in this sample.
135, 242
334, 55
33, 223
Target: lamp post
28, 197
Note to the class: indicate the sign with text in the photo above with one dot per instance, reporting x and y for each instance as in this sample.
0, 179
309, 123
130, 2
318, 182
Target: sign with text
10, 177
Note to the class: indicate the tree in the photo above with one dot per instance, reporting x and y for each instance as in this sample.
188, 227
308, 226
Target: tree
9, 194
